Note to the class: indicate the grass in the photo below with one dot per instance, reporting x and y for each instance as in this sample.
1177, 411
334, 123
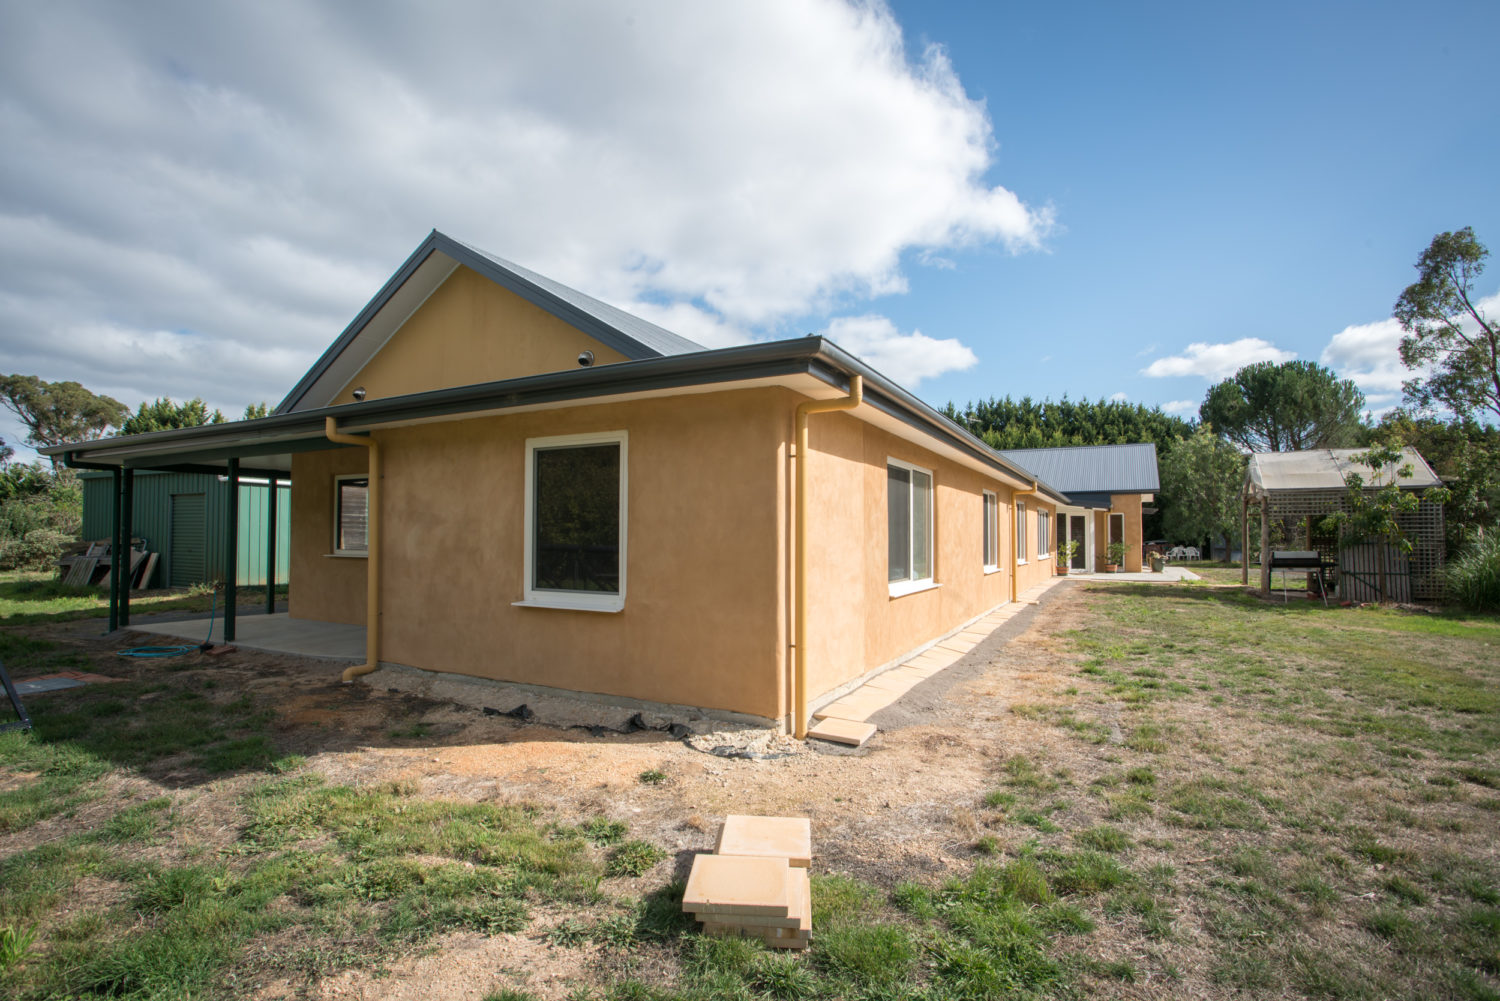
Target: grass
1219, 796
29, 598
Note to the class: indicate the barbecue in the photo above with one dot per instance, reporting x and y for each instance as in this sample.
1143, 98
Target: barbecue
1301, 559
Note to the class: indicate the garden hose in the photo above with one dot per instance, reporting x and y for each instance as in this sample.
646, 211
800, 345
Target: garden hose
176, 651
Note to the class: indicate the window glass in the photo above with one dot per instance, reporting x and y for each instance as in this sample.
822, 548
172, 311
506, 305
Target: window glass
576, 518
353, 518
921, 522
1043, 532
991, 550
1020, 530
898, 521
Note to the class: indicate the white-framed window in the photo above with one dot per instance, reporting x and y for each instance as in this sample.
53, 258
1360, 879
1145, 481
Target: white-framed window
351, 515
1020, 531
909, 526
991, 531
1043, 533
575, 521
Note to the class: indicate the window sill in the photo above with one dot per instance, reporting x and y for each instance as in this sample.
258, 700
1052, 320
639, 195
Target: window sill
611, 606
1020, 563
346, 556
990, 570
901, 588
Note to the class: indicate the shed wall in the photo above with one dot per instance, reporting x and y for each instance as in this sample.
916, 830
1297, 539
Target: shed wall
152, 518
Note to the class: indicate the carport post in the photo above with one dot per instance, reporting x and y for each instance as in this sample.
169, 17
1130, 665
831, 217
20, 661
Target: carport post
231, 549
127, 532
271, 547
114, 556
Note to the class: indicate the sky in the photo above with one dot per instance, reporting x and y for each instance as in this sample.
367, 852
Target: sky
1097, 200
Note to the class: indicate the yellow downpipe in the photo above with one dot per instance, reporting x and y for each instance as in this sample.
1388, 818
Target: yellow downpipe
799, 680
1014, 532
372, 541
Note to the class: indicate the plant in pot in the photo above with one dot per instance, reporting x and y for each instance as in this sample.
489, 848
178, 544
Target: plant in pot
1065, 551
1114, 556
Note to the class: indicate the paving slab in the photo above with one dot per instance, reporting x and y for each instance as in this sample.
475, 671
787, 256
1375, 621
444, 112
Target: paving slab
843, 731
769, 837
738, 884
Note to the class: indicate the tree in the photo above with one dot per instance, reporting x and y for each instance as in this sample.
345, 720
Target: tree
1447, 330
256, 410
1375, 510
164, 415
1286, 407
1466, 454
1201, 479
1026, 423
58, 412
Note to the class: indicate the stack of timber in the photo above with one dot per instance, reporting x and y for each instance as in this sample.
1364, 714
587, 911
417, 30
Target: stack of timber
89, 564
756, 884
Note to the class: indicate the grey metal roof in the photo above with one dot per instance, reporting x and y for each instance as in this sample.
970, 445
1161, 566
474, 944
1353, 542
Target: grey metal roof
429, 266
1084, 469
659, 341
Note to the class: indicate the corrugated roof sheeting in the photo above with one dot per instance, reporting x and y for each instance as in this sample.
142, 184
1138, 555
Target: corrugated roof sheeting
1120, 469
1326, 469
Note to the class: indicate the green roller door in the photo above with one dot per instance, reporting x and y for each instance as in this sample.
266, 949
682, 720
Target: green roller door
188, 558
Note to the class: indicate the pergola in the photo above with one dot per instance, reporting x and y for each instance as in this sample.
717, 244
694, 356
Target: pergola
1311, 485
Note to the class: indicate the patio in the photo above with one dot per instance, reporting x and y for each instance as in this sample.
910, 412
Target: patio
278, 633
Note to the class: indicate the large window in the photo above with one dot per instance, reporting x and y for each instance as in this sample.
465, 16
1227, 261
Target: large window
351, 515
991, 531
909, 526
1043, 534
1020, 531
575, 521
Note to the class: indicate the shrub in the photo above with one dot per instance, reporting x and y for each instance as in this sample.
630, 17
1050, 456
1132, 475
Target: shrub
38, 549
1473, 578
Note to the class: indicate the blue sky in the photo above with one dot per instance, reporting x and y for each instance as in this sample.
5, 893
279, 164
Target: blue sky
981, 199
1218, 172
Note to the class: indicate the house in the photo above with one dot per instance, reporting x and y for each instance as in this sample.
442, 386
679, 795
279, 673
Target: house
181, 516
499, 476
1108, 487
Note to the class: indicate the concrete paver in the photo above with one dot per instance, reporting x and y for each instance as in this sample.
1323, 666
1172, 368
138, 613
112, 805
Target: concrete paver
768, 837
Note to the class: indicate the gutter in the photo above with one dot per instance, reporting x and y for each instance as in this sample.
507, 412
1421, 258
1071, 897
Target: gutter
372, 542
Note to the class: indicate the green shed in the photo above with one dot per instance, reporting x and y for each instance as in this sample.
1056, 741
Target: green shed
181, 516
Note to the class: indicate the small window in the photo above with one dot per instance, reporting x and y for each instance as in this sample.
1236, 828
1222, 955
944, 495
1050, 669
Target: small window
575, 521
908, 525
1020, 531
1043, 533
991, 531
351, 516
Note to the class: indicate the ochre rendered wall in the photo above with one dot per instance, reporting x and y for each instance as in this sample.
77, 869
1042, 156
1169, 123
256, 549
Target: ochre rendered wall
854, 625
1130, 506
469, 331
703, 621
324, 587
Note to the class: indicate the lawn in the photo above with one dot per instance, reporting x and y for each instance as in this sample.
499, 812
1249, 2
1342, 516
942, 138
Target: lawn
1187, 792
29, 598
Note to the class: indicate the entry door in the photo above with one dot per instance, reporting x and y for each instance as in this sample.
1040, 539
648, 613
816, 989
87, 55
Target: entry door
187, 560
1076, 526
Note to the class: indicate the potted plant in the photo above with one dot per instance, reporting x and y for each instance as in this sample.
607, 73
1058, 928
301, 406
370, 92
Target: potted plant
1065, 551
1115, 555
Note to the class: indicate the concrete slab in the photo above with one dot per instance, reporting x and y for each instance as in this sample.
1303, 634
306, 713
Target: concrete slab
843, 731
768, 837
277, 633
855, 708
736, 884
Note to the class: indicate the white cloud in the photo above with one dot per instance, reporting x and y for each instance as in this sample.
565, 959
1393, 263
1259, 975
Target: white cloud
1180, 406
198, 198
1119, 397
1370, 354
1218, 361
906, 358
